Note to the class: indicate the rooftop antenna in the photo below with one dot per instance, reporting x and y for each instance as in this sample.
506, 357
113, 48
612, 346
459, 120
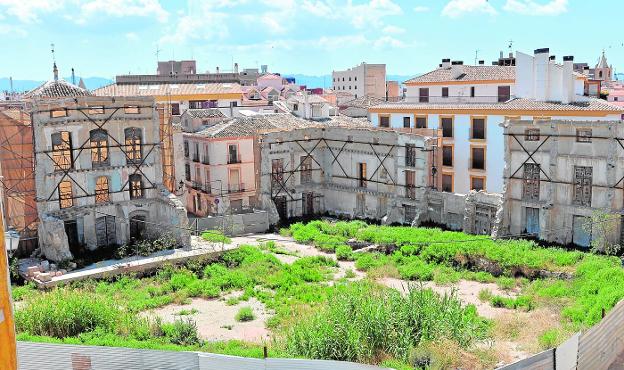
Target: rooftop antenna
510, 45
157, 53
476, 56
54, 69
73, 77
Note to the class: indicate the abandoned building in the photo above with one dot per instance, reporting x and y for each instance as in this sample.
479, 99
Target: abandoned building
558, 174
98, 175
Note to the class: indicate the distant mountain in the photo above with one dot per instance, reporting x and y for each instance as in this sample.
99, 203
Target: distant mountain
26, 85
325, 81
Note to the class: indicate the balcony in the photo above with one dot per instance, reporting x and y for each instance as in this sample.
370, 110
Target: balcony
205, 160
203, 187
196, 158
236, 188
233, 159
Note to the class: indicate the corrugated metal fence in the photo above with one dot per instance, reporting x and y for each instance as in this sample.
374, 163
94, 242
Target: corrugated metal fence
35, 356
596, 349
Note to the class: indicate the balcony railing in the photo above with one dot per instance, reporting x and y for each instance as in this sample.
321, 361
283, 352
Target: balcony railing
195, 158
203, 187
233, 160
205, 160
236, 188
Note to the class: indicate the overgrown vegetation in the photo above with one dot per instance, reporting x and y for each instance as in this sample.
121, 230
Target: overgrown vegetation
245, 314
146, 247
215, 236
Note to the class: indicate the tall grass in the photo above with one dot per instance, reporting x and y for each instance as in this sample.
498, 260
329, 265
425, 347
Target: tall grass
363, 322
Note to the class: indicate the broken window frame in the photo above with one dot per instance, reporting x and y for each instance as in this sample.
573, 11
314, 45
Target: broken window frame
134, 145
582, 192
532, 134
102, 190
531, 182
99, 148
65, 194
583, 135
62, 155
410, 155
305, 169
135, 184
277, 171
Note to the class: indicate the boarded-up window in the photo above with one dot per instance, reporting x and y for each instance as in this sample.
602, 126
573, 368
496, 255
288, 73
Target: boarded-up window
478, 158
59, 112
306, 169
531, 181
65, 194
584, 135
96, 110
62, 150
423, 95
362, 175
136, 186
105, 231
410, 155
447, 127
132, 109
532, 220
421, 122
532, 134
410, 184
478, 128
277, 172
384, 121
102, 190
134, 144
447, 183
99, 147
582, 185
581, 236
504, 93
447, 155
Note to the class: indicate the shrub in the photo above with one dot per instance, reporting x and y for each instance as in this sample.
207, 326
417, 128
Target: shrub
549, 339
328, 243
367, 261
182, 279
523, 302
506, 283
344, 253
245, 314
21, 292
416, 269
215, 236
182, 332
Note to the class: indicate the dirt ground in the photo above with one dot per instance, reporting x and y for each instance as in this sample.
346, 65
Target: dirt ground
215, 319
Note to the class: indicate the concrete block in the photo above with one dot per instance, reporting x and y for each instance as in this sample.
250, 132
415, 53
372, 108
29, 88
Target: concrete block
31, 270
44, 277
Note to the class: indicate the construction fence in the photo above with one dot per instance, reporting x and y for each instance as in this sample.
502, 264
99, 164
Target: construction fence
33, 356
598, 348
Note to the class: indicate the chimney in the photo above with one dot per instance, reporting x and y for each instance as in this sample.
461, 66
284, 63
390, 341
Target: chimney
55, 71
482, 62
457, 69
235, 67
551, 58
541, 74
586, 70
567, 80
73, 77
217, 69
446, 62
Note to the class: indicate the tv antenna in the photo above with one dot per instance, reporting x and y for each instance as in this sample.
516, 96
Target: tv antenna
158, 50
510, 45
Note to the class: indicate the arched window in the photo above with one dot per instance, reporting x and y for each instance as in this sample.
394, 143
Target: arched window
99, 148
62, 150
102, 190
65, 194
600, 74
136, 186
134, 139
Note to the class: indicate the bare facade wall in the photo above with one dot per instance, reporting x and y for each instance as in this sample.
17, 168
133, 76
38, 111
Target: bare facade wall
98, 175
561, 173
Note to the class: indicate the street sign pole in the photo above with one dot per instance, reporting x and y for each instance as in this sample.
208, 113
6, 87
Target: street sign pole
8, 353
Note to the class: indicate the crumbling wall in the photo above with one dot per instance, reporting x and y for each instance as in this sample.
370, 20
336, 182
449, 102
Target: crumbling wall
53, 240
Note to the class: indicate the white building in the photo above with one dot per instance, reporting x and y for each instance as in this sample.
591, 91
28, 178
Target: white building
365, 79
466, 105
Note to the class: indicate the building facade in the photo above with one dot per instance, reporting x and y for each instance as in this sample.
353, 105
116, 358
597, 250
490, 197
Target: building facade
365, 79
467, 104
98, 175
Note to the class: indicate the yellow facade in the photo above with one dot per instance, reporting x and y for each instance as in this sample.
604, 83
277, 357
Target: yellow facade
8, 354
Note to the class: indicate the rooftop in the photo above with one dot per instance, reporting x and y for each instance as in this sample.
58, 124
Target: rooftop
468, 73
205, 113
168, 89
366, 101
56, 89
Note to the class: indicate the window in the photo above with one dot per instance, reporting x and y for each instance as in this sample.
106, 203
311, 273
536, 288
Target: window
355, 78
406, 122
196, 153
175, 109
206, 158
233, 154
96, 110
410, 184
99, 147
582, 186
384, 121
410, 155
531, 181
134, 148
615, 98
447, 127
362, 175
472, 91
102, 191
295, 106
531, 134
186, 149
583, 135
423, 95
277, 172
62, 150
445, 92
447, 183
478, 128
349, 78
504, 93
136, 186
65, 194
477, 183
132, 109
478, 158
306, 169
447, 155
421, 122
59, 112
187, 172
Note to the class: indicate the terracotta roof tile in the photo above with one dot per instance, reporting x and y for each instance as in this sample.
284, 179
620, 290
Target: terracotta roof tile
56, 89
166, 89
513, 104
469, 73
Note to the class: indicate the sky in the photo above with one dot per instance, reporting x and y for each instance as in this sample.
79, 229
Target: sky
108, 37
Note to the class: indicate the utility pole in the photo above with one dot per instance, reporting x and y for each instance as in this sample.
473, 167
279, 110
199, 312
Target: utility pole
8, 347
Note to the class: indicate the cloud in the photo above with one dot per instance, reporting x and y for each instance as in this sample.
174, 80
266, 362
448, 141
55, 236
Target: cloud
371, 13
457, 8
393, 29
7, 30
122, 8
28, 11
421, 9
530, 7
272, 23
388, 42
319, 9
131, 36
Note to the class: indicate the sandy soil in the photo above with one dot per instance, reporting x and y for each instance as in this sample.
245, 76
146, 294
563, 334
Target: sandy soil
215, 319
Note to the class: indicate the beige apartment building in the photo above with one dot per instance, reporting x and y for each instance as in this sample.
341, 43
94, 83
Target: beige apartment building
363, 80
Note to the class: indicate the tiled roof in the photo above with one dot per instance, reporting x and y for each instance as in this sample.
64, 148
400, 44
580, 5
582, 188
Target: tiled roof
513, 104
249, 126
366, 101
166, 89
56, 89
469, 73
312, 98
205, 113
